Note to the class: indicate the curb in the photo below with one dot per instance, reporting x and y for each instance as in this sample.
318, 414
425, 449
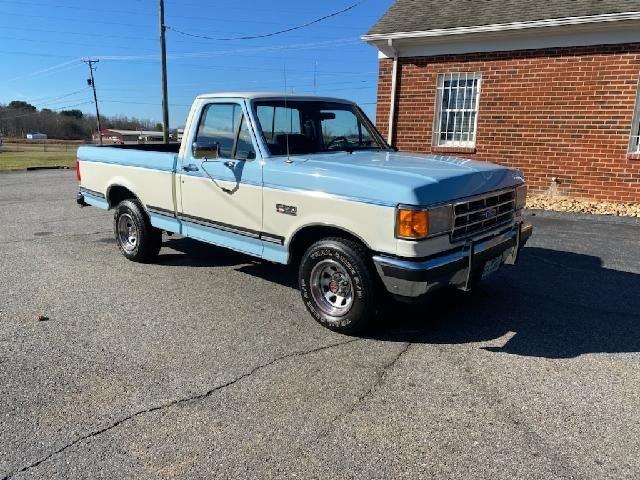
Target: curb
592, 217
52, 167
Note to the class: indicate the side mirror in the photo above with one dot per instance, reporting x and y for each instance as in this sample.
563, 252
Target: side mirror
249, 155
209, 150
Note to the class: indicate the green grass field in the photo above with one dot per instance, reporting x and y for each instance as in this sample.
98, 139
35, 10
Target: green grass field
22, 160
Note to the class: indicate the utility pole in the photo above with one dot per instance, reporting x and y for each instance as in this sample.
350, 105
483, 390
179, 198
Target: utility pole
92, 84
165, 95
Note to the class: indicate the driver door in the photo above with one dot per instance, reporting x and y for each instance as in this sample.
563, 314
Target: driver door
221, 180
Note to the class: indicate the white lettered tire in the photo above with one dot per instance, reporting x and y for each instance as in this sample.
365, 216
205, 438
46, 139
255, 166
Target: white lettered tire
337, 285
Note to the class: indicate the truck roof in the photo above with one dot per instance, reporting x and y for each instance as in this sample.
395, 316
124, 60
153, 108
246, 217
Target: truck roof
271, 95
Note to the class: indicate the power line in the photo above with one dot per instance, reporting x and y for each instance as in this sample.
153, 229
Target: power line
145, 103
74, 7
67, 19
247, 51
180, 5
48, 41
300, 76
58, 100
223, 20
93, 34
59, 66
270, 34
50, 98
300, 46
30, 54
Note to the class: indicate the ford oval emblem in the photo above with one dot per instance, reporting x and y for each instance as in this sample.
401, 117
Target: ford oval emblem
490, 213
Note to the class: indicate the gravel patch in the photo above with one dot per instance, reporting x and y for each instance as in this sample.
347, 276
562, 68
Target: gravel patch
564, 204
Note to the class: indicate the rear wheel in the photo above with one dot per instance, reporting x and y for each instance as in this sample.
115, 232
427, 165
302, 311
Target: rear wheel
136, 238
337, 285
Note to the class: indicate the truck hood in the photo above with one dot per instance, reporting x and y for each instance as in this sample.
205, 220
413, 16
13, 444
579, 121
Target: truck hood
390, 178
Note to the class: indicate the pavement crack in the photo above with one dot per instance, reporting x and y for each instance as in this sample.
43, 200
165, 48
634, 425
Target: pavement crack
381, 374
179, 401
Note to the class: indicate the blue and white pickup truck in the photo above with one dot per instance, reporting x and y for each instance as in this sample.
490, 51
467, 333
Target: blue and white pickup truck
309, 181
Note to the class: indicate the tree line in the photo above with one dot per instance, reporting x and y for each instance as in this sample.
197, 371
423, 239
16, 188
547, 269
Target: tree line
19, 118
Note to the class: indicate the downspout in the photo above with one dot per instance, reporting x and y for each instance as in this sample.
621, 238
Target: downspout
394, 86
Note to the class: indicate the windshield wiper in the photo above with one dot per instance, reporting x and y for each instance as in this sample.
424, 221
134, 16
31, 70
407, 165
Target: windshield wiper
351, 149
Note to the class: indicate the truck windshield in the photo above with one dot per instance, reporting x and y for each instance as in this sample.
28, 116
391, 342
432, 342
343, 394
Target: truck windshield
307, 126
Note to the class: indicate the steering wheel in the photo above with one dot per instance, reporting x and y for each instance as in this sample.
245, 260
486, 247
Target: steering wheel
335, 140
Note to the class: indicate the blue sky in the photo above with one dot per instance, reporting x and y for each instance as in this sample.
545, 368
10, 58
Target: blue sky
42, 41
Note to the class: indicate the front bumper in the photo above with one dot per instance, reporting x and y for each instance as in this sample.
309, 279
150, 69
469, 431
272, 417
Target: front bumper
460, 267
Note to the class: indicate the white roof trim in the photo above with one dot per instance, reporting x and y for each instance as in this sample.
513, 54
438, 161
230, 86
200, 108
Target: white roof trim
270, 96
503, 27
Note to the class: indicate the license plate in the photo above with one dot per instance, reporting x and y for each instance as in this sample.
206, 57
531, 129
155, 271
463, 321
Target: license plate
491, 266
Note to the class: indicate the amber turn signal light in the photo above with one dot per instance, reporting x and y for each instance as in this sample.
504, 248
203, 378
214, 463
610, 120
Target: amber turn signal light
412, 224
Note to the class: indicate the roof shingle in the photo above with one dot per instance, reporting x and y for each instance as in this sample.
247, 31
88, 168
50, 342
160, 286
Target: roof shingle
423, 15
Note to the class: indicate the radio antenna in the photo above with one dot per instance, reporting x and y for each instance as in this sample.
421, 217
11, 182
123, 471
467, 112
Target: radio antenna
315, 68
290, 113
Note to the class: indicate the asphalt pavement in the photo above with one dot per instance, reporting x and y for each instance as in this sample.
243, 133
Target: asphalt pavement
206, 364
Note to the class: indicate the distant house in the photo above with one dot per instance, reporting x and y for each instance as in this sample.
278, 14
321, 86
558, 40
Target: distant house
549, 87
36, 136
127, 137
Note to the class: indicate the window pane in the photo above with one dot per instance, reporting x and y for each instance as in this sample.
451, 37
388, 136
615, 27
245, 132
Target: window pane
343, 124
458, 103
309, 126
265, 117
218, 125
278, 120
244, 147
635, 138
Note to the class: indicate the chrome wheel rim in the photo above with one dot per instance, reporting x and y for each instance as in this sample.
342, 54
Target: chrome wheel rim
331, 288
127, 232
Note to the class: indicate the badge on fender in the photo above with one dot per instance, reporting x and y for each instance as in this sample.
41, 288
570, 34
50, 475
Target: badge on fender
286, 209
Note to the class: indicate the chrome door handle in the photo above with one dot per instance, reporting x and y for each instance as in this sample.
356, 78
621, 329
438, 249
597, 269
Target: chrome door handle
230, 164
190, 168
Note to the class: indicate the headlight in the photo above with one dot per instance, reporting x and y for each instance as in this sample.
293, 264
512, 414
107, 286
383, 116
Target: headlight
521, 196
417, 223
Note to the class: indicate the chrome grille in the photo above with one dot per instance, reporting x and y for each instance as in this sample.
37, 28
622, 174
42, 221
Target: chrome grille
482, 214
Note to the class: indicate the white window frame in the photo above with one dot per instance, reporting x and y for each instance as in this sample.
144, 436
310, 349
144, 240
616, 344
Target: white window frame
634, 137
472, 132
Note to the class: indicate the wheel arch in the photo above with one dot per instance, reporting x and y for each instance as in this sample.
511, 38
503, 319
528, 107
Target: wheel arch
118, 192
308, 234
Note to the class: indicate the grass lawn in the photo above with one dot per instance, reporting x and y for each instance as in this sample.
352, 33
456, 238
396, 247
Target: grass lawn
22, 160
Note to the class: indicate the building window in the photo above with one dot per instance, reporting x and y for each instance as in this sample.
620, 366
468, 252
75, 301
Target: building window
457, 110
634, 143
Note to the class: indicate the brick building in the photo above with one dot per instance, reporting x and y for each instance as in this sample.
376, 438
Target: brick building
550, 87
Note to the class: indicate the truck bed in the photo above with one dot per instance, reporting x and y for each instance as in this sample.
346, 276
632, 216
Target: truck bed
145, 170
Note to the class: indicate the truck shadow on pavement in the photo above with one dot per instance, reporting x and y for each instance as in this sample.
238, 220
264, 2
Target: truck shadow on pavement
553, 304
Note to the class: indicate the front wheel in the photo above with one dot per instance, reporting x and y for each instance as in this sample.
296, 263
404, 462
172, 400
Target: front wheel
136, 238
337, 285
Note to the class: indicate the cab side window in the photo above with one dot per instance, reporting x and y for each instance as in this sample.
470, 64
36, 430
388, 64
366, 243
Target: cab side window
224, 124
244, 145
